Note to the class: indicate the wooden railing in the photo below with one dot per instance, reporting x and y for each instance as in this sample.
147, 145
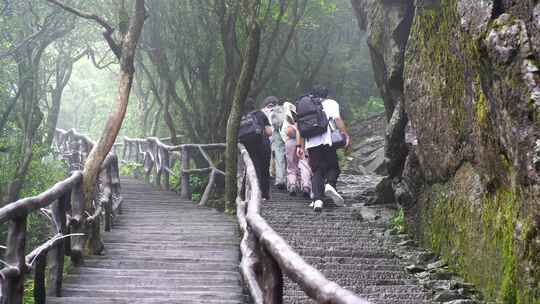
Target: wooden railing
266, 257
159, 158
73, 223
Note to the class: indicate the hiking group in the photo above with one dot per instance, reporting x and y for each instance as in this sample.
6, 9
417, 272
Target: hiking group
302, 140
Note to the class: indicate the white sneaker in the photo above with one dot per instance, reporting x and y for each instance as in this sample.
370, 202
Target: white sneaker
330, 192
311, 204
318, 205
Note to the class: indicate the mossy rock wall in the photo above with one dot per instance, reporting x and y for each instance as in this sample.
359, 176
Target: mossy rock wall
471, 84
486, 237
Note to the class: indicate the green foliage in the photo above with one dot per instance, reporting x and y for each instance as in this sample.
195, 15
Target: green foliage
374, 105
174, 179
43, 173
397, 222
10, 155
132, 169
28, 296
197, 185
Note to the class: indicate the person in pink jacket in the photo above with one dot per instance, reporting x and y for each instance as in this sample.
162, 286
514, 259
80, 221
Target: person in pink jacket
298, 170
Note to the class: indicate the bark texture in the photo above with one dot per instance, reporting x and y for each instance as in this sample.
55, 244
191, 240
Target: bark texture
125, 51
251, 55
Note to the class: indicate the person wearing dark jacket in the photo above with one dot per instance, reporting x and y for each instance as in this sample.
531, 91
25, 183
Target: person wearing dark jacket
260, 149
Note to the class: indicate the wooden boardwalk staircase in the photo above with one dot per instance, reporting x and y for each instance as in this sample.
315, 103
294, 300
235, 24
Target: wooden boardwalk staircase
161, 250
160, 247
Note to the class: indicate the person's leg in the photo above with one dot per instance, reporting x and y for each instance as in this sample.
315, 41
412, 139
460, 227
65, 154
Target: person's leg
265, 171
316, 162
279, 156
331, 175
332, 172
305, 175
256, 159
292, 164
255, 154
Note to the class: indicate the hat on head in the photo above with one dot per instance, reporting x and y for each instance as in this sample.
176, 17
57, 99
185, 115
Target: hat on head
290, 110
270, 100
319, 91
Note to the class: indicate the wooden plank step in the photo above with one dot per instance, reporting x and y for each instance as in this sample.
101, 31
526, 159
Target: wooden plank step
161, 250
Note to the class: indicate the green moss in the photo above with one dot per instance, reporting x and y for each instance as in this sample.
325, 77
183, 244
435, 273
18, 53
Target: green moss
477, 239
448, 55
537, 118
506, 164
480, 109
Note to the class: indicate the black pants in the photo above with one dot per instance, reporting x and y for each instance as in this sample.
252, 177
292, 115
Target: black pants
260, 153
324, 165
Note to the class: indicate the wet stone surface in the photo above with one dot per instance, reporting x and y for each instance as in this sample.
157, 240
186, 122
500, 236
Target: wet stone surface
354, 247
342, 243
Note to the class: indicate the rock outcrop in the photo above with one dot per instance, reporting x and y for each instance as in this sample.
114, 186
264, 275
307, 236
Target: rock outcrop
367, 155
388, 24
466, 75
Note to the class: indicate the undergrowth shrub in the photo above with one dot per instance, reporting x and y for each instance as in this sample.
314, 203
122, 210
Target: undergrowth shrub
397, 222
44, 171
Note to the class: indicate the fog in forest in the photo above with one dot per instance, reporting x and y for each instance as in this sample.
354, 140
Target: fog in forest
59, 72
353, 151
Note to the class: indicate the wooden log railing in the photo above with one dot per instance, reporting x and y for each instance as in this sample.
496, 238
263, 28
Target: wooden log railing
72, 223
266, 256
159, 158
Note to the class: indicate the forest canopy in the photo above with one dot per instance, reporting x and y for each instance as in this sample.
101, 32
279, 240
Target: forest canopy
58, 71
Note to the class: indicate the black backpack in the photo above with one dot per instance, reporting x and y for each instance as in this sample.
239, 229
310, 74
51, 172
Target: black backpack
311, 118
250, 130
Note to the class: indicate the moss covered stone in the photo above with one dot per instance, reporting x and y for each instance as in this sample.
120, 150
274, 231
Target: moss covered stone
476, 235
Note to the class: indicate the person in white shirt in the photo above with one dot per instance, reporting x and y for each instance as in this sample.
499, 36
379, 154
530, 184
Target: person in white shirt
323, 154
274, 111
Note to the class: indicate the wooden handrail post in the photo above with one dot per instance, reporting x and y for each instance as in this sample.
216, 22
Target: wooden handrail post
272, 279
165, 163
107, 200
156, 151
115, 187
184, 181
148, 162
209, 187
15, 257
124, 149
77, 225
94, 241
137, 152
56, 255
40, 292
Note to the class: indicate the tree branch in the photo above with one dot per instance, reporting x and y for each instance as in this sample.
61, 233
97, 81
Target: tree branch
109, 30
9, 109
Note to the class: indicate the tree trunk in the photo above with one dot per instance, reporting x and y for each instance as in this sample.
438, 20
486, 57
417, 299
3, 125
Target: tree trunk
64, 69
126, 55
241, 92
27, 65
